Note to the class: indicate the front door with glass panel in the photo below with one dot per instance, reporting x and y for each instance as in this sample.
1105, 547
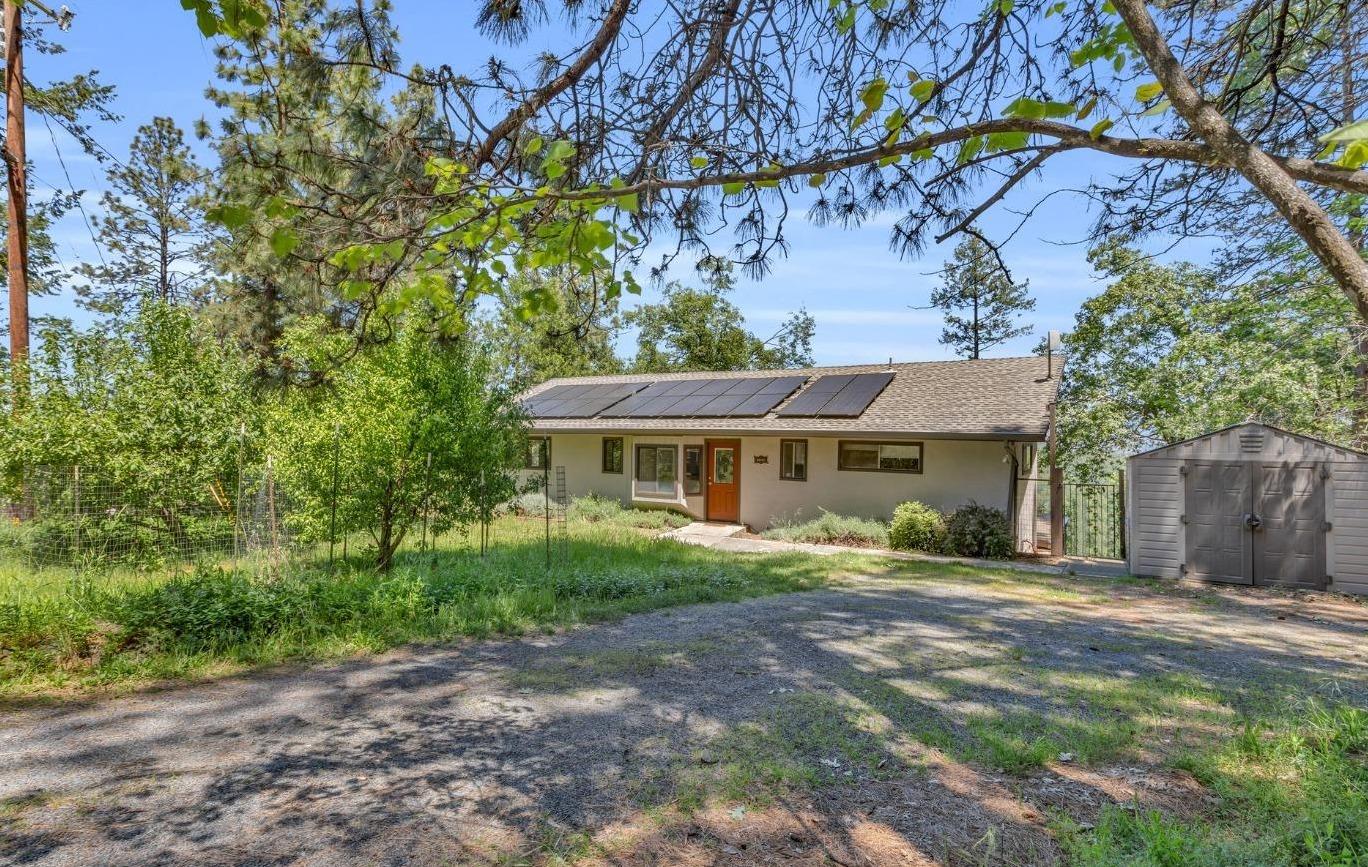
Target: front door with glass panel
724, 480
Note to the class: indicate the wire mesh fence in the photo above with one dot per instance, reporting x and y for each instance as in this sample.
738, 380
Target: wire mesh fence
73, 521
75, 518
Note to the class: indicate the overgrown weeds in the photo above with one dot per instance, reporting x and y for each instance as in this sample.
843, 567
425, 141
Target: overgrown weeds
210, 620
832, 529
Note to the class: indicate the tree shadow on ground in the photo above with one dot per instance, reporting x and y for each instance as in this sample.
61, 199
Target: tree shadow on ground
928, 718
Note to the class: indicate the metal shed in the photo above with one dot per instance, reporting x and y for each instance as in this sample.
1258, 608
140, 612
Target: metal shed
1251, 504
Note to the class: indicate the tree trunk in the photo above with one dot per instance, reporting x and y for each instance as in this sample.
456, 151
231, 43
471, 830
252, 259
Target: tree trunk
1307, 218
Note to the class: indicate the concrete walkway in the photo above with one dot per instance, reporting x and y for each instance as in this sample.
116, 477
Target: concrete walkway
727, 537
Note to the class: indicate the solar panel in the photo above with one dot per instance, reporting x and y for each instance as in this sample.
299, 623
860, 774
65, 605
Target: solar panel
705, 397
581, 401
858, 395
845, 395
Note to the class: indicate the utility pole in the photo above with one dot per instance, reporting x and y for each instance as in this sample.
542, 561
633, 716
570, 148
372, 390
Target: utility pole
16, 173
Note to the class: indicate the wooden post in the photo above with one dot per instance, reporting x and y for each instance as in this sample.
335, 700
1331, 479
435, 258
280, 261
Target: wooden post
16, 165
1056, 490
1121, 501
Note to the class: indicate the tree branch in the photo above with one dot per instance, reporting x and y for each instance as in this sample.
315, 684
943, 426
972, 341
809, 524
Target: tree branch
605, 37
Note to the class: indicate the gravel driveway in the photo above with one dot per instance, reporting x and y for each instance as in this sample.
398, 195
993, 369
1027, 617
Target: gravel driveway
568, 745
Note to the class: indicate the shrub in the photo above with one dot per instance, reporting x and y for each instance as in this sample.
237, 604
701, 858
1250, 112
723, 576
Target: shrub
917, 527
595, 509
832, 529
529, 505
978, 531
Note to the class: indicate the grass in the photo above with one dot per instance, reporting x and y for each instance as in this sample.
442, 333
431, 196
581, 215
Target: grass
832, 529
1292, 789
125, 628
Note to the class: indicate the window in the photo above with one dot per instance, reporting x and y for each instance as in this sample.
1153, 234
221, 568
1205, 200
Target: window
538, 453
612, 454
693, 470
880, 457
655, 469
793, 460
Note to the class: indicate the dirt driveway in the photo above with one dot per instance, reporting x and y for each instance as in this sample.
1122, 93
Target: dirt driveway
931, 719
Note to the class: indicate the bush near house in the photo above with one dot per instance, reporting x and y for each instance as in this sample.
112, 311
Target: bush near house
832, 529
973, 530
917, 527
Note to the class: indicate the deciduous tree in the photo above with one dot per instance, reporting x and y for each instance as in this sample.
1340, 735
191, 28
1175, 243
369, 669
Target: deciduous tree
679, 120
700, 329
1166, 352
414, 427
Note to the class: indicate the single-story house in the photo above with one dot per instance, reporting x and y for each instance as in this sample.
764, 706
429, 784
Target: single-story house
759, 447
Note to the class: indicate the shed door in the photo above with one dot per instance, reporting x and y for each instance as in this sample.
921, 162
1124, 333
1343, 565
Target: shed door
1289, 543
1217, 500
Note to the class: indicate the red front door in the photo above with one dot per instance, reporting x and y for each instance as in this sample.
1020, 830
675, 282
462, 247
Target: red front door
724, 480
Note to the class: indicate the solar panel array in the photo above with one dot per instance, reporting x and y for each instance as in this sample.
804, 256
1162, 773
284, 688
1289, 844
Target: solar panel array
709, 398
839, 396
580, 401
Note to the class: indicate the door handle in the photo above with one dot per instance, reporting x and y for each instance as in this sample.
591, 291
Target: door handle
1253, 522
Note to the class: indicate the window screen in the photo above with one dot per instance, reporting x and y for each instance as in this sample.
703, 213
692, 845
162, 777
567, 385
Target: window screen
612, 454
693, 470
655, 469
881, 457
538, 453
793, 460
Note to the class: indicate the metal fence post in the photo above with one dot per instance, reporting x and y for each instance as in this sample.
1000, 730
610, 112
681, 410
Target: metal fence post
237, 502
76, 485
332, 520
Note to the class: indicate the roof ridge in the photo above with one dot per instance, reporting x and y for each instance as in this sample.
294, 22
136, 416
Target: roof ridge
775, 371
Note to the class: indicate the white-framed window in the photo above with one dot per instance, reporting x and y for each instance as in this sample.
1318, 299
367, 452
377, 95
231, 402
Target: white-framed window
879, 457
656, 469
793, 460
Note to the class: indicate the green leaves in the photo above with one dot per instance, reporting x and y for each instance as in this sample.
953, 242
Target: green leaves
1146, 92
872, 98
283, 241
1034, 109
922, 89
816, 180
231, 217
233, 18
699, 162
1099, 128
553, 164
1354, 139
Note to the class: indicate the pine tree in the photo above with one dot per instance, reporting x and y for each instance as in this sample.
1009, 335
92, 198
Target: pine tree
153, 231
980, 301
312, 158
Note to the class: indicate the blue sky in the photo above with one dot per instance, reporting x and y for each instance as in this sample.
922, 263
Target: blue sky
861, 293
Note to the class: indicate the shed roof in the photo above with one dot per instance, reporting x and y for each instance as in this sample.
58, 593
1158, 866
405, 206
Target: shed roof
999, 398
1271, 442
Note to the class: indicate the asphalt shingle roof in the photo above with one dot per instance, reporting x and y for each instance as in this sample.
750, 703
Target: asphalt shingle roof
1001, 398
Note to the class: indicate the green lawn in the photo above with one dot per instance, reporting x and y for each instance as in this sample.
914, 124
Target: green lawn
120, 628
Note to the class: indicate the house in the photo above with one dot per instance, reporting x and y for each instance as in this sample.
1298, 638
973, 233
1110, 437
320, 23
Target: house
758, 447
